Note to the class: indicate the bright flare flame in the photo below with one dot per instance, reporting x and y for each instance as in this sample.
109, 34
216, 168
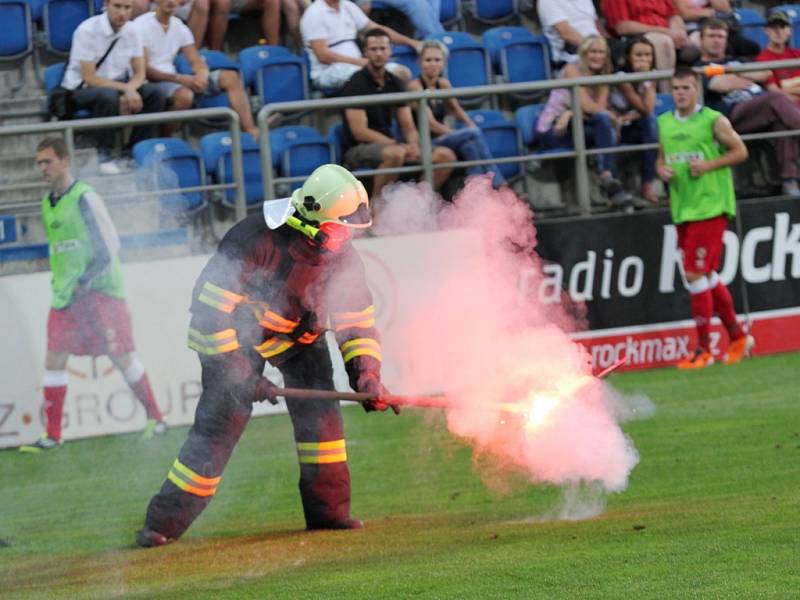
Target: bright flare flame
541, 408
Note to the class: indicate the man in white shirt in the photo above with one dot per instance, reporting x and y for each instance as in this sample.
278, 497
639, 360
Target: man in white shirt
329, 29
118, 86
164, 36
566, 23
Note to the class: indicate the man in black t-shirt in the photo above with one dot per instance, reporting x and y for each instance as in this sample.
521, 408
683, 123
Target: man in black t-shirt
750, 108
368, 139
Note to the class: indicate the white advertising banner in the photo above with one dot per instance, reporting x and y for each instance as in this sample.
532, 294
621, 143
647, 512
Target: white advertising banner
400, 271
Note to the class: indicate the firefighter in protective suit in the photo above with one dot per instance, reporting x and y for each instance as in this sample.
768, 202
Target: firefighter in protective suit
276, 283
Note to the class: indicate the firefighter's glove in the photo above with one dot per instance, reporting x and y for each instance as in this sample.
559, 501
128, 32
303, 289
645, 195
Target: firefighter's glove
370, 384
265, 390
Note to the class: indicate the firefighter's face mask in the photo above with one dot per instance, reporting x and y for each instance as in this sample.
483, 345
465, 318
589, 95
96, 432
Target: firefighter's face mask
332, 236
329, 236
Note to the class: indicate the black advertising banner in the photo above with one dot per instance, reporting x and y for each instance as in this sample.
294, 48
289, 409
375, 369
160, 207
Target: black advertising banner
625, 268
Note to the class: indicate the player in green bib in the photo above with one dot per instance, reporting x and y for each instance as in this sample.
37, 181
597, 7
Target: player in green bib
88, 315
698, 146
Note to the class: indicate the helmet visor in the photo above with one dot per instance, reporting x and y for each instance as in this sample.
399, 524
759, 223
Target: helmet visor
359, 218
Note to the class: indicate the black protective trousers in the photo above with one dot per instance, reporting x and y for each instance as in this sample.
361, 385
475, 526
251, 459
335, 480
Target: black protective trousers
222, 414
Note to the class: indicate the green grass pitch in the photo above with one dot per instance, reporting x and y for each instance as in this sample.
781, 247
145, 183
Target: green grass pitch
712, 511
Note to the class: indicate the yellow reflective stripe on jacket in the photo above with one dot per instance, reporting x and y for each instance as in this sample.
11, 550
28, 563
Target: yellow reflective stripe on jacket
345, 320
360, 347
275, 322
213, 343
219, 298
273, 346
189, 481
322, 452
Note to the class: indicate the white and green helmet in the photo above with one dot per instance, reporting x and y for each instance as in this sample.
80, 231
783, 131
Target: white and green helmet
330, 194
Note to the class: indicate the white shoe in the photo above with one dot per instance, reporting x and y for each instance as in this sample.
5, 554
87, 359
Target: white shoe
109, 167
790, 188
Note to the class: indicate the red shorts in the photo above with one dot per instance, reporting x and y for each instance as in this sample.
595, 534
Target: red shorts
701, 242
93, 325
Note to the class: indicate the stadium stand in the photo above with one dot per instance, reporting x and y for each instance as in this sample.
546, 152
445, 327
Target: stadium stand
406, 55
663, 104
450, 14
61, 18
16, 43
517, 56
215, 59
52, 77
167, 164
503, 138
468, 64
752, 23
216, 151
274, 76
494, 12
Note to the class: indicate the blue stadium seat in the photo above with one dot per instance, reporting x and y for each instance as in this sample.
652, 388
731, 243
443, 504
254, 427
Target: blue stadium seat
502, 137
61, 19
793, 11
52, 77
273, 75
752, 23
664, 103
16, 41
468, 64
303, 156
526, 117
170, 163
518, 55
495, 12
282, 138
406, 55
484, 117
37, 9
8, 229
249, 59
216, 151
215, 60
450, 15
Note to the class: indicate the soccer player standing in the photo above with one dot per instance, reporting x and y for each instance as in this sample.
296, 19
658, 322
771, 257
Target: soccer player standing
88, 314
698, 146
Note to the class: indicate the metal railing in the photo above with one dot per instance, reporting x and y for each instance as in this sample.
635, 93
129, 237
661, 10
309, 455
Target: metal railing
423, 97
68, 128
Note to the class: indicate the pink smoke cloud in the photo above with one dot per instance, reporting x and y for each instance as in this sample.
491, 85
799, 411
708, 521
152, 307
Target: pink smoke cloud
523, 394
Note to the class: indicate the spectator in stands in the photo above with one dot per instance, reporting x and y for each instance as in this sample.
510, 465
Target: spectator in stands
88, 315
658, 20
422, 14
194, 13
634, 104
329, 29
779, 30
292, 11
468, 143
694, 11
600, 124
220, 15
368, 139
749, 106
164, 36
566, 24
106, 70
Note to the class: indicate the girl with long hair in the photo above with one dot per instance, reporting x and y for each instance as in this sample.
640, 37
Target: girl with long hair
599, 123
468, 143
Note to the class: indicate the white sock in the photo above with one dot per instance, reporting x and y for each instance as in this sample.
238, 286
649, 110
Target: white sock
55, 378
134, 371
